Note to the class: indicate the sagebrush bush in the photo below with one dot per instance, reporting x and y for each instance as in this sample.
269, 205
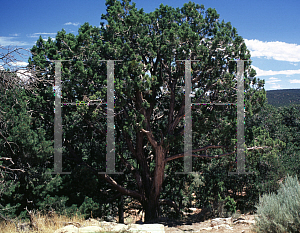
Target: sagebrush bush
280, 212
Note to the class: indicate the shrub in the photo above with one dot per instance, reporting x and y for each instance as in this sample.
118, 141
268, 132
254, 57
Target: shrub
280, 212
230, 204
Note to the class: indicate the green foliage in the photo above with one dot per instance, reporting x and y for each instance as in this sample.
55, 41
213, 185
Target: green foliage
280, 212
144, 42
88, 206
22, 139
230, 204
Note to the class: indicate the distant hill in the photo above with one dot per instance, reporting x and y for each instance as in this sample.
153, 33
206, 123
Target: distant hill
285, 97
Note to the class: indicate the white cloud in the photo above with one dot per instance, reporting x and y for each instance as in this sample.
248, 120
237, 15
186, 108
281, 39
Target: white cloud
18, 63
273, 80
294, 80
52, 38
45, 33
277, 50
10, 41
276, 86
38, 34
15, 34
70, 23
24, 75
260, 72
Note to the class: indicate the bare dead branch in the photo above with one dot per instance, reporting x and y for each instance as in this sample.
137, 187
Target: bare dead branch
7, 143
256, 147
6, 158
10, 169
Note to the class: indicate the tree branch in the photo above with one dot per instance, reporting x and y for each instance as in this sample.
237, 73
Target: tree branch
136, 174
170, 203
150, 138
10, 169
207, 156
106, 177
199, 156
6, 158
7, 143
256, 147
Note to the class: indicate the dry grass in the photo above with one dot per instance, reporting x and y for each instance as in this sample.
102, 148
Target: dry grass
50, 222
43, 223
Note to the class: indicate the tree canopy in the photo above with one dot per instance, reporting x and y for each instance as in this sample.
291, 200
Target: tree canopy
149, 97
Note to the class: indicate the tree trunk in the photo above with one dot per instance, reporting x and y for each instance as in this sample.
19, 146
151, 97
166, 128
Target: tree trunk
151, 204
121, 209
151, 209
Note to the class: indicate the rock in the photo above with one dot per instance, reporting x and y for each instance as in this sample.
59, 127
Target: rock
92, 222
147, 228
90, 229
244, 221
67, 229
112, 227
218, 221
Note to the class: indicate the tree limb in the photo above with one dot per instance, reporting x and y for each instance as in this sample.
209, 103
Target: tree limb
207, 156
136, 174
256, 147
106, 177
7, 143
198, 156
10, 169
150, 138
6, 158
170, 203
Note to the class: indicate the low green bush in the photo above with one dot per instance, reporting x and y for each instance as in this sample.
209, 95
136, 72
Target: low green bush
280, 212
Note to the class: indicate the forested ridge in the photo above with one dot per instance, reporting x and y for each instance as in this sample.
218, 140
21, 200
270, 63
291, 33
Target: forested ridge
281, 98
149, 120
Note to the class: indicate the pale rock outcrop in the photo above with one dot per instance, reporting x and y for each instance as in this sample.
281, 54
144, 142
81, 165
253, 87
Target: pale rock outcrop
96, 226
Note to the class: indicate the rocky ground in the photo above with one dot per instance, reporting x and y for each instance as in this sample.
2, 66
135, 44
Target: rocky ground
196, 222
241, 225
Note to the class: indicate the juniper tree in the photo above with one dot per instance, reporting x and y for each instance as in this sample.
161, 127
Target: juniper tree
149, 97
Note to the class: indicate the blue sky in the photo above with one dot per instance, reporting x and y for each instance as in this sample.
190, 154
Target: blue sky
271, 29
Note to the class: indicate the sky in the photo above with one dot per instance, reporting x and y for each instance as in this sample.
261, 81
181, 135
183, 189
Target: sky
271, 29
